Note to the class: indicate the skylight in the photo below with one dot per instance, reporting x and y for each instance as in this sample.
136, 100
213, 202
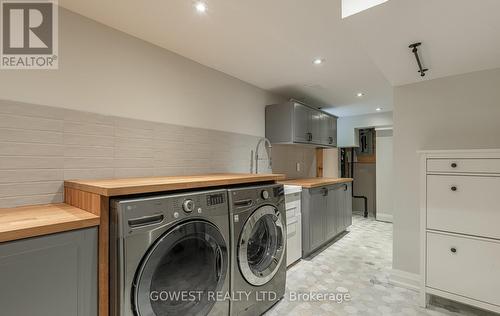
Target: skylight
350, 7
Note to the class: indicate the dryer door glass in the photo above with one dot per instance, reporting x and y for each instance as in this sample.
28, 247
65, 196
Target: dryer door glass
261, 245
180, 271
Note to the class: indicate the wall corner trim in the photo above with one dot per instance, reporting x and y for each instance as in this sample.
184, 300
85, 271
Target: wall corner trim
405, 279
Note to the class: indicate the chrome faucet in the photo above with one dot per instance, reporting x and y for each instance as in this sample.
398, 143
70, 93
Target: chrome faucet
268, 143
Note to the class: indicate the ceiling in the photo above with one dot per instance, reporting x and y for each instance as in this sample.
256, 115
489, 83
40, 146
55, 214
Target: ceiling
272, 44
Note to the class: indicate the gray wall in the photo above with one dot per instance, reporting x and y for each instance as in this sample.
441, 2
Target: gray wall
102, 70
459, 112
40, 146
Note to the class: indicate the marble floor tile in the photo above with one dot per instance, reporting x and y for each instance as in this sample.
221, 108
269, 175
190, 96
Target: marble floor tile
352, 274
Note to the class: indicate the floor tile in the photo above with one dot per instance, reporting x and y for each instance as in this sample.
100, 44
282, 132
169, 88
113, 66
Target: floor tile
359, 264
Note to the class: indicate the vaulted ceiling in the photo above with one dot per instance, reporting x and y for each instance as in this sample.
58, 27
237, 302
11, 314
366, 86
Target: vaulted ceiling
272, 44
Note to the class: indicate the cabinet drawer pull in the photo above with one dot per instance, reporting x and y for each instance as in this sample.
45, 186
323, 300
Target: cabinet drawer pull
453, 250
453, 188
454, 165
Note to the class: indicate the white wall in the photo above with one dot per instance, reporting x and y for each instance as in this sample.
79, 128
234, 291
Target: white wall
105, 71
384, 171
458, 112
347, 129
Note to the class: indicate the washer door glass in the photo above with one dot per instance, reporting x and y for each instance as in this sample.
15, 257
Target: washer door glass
261, 245
180, 270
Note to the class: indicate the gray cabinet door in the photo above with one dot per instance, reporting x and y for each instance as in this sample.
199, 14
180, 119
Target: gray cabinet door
348, 205
316, 218
341, 202
332, 131
50, 275
316, 119
325, 129
332, 213
302, 123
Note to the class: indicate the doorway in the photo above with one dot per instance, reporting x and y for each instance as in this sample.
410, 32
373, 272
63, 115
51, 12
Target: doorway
370, 165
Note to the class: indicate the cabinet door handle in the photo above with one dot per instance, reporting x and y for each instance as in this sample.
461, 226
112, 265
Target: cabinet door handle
454, 165
453, 250
453, 188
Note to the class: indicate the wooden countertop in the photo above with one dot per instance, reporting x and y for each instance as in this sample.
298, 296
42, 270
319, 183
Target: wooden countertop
315, 182
115, 187
36, 220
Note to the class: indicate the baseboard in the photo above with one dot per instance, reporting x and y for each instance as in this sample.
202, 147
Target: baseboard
384, 217
405, 279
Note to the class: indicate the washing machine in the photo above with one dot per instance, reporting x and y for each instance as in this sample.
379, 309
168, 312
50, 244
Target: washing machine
169, 255
258, 248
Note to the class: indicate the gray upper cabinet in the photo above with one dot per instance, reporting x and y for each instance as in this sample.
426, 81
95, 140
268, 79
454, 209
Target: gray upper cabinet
296, 123
50, 275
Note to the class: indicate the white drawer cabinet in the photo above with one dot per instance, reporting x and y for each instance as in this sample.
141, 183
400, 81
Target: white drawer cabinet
460, 227
293, 223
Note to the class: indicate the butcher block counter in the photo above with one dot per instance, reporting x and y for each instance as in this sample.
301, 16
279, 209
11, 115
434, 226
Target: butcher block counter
116, 187
37, 220
316, 182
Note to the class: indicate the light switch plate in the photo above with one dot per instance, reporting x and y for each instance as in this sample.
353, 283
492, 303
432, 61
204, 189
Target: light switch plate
298, 167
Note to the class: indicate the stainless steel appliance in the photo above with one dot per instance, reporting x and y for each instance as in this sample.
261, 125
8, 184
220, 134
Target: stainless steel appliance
168, 253
258, 247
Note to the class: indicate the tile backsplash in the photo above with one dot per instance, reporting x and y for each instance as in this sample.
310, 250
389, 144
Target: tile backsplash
41, 146
286, 157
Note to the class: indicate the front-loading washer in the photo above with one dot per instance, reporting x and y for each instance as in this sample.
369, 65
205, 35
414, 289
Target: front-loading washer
258, 248
169, 254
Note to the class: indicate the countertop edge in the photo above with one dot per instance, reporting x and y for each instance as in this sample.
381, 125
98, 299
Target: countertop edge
40, 229
162, 187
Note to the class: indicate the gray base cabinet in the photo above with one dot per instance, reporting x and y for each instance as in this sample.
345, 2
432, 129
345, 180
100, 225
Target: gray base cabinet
53, 275
326, 212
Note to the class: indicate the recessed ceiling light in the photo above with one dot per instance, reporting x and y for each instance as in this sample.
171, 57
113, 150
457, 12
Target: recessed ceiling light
360, 94
201, 7
378, 109
318, 61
